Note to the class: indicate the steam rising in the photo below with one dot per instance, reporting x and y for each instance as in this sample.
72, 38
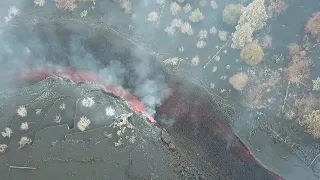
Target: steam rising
113, 73
55, 45
152, 92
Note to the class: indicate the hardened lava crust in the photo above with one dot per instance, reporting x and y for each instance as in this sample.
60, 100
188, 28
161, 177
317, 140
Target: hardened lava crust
56, 128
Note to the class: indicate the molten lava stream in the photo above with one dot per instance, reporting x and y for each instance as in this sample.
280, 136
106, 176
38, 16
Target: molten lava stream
177, 105
77, 75
182, 105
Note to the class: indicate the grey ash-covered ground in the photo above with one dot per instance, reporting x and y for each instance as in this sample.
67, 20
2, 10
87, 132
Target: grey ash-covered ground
118, 143
41, 35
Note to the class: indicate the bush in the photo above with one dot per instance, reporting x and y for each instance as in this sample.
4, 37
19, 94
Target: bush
316, 84
239, 81
252, 54
298, 71
313, 25
66, 4
3, 148
255, 14
231, 13
299, 67
313, 123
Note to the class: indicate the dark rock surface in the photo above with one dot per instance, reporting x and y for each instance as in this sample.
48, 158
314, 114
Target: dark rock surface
107, 34
123, 146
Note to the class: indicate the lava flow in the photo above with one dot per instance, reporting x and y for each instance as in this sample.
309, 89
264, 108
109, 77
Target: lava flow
180, 104
187, 106
77, 75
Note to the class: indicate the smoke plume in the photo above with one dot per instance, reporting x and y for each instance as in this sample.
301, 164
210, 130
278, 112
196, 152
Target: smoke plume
61, 45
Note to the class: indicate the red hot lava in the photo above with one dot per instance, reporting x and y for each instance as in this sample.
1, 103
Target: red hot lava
77, 75
177, 105
188, 106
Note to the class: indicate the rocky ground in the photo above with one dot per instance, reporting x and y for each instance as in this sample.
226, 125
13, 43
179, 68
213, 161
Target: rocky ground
39, 36
118, 144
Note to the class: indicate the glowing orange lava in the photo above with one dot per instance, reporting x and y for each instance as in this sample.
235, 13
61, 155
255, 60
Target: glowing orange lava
77, 75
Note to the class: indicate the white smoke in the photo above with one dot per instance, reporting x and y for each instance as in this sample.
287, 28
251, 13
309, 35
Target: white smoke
56, 44
152, 93
113, 73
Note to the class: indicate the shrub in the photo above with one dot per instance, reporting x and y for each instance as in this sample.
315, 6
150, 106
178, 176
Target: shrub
255, 14
316, 84
299, 67
239, 81
313, 123
253, 17
66, 4
231, 13
313, 25
24, 141
39, 3
277, 7
252, 54
7, 132
242, 36
3, 148
298, 71
83, 123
